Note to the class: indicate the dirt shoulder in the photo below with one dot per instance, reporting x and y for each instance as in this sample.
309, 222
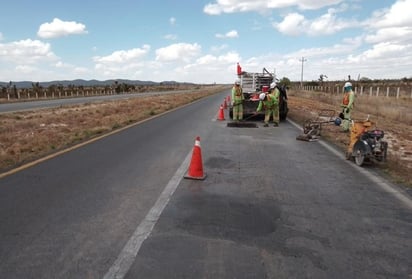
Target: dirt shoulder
398, 135
30, 135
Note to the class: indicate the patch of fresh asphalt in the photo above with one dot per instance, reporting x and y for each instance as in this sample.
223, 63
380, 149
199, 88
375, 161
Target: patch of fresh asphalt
128, 255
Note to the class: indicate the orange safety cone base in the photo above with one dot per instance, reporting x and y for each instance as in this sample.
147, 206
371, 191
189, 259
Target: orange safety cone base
187, 176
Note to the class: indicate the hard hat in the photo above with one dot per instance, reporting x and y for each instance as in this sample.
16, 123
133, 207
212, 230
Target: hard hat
348, 84
272, 85
237, 81
338, 121
262, 96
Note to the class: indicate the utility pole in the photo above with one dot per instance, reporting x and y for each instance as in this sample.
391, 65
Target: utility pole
301, 75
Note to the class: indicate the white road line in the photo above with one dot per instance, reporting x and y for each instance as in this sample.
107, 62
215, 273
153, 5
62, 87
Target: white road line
129, 252
387, 187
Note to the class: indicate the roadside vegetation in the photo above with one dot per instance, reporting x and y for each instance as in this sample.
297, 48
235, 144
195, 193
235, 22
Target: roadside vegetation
392, 115
29, 135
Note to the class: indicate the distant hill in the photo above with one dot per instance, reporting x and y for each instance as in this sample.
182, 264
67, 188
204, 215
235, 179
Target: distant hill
88, 83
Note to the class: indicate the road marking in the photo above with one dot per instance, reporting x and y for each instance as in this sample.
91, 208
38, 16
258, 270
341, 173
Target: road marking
86, 142
387, 187
129, 252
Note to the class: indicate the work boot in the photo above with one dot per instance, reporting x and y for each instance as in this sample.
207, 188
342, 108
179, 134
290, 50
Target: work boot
266, 125
275, 124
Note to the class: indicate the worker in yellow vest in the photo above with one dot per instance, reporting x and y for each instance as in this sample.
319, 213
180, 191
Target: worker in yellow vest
347, 106
267, 102
274, 91
237, 101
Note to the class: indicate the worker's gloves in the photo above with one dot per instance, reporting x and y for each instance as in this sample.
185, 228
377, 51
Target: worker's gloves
347, 110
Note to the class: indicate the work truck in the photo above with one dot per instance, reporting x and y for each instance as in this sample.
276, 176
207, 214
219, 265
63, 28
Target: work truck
252, 85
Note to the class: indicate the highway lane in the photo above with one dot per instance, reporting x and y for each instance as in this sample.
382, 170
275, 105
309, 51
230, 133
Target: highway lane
69, 216
270, 207
274, 207
51, 103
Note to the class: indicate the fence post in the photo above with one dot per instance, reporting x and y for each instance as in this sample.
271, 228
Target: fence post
387, 91
370, 91
361, 90
397, 93
377, 91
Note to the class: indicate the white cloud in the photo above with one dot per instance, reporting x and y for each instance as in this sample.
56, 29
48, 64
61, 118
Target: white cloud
58, 28
25, 69
170, 37
398, 15
393, 24
218, 48
329, 24
123, 56
183, 52
172, 20
322, 52
295, 24
225, 59
261, 6
231, 34
382, 51
26, 52
395, 34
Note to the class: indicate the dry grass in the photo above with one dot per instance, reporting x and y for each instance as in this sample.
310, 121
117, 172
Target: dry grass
392, 115
29, 135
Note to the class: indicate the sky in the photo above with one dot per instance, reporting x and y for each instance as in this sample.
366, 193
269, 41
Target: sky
201, 41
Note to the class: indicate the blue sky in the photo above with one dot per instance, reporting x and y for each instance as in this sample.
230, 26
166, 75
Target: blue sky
202, 40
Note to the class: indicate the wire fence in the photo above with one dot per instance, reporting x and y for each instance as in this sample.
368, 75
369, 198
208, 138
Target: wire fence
372, 91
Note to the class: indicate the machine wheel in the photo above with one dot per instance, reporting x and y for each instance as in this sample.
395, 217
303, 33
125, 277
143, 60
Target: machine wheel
359, 155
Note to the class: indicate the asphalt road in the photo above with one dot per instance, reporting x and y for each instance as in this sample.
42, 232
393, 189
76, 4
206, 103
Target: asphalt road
270, 207
51, 103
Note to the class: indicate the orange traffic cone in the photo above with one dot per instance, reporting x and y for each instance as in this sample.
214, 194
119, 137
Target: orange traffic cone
221, 115
224, 104
196, 165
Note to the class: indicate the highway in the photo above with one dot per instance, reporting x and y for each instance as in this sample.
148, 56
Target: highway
270, 207
52, 103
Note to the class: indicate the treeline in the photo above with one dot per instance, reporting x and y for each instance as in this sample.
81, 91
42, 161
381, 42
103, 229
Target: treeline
11, 91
